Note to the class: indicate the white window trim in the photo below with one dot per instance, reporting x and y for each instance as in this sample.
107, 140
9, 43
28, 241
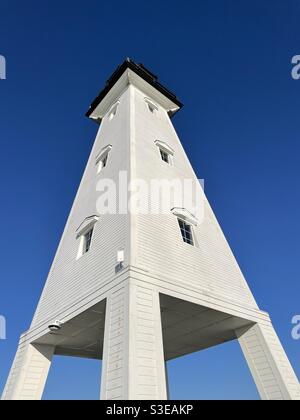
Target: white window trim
82, 230
162, 146
150, 103
113, 110
165, 147
101, 155
192, 232
104, 151
185, 215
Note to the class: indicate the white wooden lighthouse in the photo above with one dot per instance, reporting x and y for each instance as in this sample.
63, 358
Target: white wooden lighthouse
139, 289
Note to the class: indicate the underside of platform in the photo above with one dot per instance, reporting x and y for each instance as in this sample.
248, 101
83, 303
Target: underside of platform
186, 327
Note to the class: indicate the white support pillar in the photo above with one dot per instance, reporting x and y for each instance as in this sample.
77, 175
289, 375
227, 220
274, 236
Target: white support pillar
133, 361
269, 365
29, 372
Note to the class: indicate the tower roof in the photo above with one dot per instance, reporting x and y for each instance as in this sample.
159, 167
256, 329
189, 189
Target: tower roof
141, 71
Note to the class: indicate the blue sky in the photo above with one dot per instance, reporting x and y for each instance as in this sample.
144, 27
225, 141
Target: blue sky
230, 63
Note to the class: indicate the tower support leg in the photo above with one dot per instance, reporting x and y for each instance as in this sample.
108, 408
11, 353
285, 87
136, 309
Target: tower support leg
133, 365
269, 365
29, 372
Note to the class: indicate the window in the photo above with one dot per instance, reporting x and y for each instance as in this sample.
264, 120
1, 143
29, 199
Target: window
113, 111
102, 163
87, 241
166, 152
85, 235
187, 221
186, 232
164, 155
102, 158
151, 106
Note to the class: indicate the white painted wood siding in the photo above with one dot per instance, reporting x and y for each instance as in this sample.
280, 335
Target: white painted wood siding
71, 279
211, 266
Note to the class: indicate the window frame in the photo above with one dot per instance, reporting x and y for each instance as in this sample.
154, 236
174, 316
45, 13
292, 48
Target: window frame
152, 107
102, 163
165, 157
85, 234
184, 215
102, 158
187, 235
165, 149
87, 240
113, 111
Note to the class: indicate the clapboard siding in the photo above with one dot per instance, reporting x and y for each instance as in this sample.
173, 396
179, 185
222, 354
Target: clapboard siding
114, 371
70, 279
148, 344
133, 364
211, 265
14, 371
157, 243
269, 364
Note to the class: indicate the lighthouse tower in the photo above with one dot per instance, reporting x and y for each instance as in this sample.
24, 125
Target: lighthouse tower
139, 288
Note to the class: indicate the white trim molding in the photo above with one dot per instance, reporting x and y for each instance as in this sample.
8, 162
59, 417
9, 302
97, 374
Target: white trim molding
186, 215
165, 147
86, 225
113, 110
103, 152
151, 104
129, 77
